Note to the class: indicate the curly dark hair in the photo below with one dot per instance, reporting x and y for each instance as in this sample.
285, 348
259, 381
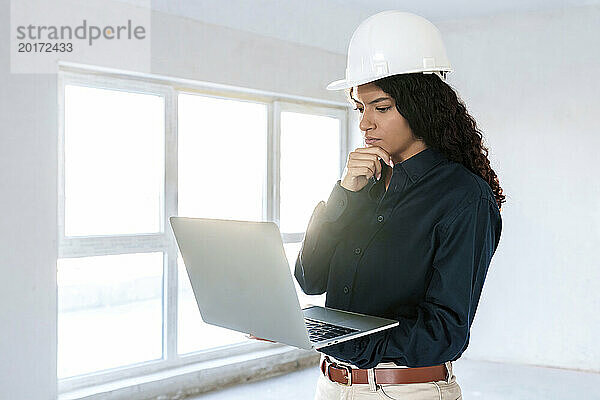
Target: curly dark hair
439, 117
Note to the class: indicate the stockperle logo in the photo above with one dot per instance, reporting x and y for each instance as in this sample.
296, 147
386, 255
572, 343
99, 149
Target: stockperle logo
88, 32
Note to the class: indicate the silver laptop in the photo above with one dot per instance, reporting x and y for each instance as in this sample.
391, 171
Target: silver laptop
242, 281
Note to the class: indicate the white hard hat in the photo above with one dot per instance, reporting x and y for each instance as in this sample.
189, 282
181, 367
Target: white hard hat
393, 42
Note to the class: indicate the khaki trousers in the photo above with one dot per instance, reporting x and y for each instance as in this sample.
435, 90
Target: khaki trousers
438, 390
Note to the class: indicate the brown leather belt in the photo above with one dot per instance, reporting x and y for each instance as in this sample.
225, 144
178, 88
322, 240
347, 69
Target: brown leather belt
347, 376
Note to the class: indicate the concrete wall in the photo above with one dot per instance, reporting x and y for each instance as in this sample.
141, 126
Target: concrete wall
531, 81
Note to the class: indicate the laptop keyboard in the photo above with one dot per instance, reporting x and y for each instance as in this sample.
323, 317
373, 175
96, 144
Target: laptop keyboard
318, 330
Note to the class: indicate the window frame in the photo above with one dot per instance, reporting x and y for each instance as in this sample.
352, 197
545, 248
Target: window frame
170, 88
283, 106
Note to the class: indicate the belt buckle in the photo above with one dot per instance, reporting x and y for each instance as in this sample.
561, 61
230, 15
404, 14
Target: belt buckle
347, 368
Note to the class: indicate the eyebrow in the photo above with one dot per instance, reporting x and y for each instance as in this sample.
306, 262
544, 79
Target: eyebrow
377, 100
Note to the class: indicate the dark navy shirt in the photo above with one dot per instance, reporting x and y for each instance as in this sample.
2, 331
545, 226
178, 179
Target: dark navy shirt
417, 253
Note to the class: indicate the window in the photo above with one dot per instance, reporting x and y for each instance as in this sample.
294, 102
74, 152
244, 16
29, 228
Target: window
110, 311
114, 162
311, 160
134, 152
222, 170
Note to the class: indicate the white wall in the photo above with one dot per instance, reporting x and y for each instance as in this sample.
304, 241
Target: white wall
28, 170
189, 49
28, 245
531, 81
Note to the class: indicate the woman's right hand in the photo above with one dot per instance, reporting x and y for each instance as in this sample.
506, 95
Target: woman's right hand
363, 163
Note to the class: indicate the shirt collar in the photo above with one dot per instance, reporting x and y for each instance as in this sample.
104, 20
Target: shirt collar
415, 167
420, 163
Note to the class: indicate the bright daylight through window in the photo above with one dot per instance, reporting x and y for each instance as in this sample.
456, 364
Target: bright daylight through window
135, 153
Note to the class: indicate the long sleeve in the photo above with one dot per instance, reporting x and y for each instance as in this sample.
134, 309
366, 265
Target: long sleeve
438, 327
325, 229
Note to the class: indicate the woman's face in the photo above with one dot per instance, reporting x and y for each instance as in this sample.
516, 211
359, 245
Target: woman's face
381, 120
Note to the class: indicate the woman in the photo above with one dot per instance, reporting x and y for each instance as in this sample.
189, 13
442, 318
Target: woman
409, 231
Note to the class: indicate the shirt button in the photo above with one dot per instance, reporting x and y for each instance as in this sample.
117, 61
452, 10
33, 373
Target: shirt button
414, 177
342, 202
380, 218
357, 251
346, 290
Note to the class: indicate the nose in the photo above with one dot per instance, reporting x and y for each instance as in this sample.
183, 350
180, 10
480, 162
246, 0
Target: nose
365, 122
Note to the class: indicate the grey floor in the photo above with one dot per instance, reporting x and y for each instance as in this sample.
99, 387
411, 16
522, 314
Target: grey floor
478, 380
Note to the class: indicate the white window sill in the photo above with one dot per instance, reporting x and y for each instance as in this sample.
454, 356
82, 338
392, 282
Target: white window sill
193, 379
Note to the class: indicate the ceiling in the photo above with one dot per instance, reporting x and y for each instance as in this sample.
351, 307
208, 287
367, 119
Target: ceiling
328, 24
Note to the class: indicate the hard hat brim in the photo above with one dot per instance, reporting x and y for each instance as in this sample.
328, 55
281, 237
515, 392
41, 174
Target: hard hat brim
339, 84
347, 84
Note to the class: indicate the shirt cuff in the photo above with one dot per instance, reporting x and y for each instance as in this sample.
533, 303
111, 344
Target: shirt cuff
343, 202
364, 352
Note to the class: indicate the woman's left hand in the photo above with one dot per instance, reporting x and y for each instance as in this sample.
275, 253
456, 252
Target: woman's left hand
250, 336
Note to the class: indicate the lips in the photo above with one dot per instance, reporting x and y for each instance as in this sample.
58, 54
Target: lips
369, 140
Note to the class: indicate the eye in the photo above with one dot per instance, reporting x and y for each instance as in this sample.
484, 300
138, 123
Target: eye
383, 109
359, 110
